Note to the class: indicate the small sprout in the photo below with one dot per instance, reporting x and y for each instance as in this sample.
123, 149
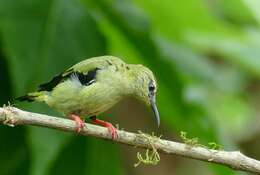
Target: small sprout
9, 119
152, 156
188, 141
215, 146
8, 105
195, 142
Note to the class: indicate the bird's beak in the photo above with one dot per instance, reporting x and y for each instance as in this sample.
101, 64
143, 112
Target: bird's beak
155, 110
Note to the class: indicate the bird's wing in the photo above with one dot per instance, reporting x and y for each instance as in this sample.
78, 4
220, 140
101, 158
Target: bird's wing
85, 71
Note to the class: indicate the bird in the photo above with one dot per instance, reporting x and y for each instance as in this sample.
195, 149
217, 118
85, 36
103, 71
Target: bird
93, 86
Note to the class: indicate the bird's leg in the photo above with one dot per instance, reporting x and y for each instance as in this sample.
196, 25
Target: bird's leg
79, 122
111, 129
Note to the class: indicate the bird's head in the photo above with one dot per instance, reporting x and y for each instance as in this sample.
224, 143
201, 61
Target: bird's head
145, 88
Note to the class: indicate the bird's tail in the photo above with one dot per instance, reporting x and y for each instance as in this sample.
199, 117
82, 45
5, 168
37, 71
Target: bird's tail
34, 96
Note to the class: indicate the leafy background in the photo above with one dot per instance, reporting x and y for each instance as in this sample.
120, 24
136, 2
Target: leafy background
205, 54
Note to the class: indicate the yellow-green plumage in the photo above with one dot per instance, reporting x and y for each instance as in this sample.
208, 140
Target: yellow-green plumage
107, 81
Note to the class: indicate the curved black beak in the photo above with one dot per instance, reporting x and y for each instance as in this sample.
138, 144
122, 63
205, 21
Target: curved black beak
154, 108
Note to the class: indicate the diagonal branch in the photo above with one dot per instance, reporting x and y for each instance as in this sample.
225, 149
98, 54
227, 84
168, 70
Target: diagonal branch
234, 159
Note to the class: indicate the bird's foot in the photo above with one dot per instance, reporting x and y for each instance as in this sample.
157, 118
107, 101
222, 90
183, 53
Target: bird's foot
111, 129
79, 122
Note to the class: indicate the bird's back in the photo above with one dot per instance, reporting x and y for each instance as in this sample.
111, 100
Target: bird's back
97, 62
86, 71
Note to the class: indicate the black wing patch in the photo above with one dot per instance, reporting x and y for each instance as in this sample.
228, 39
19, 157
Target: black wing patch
51, 84
85, 79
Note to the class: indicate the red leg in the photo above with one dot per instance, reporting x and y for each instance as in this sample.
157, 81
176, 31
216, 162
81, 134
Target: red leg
111, 129
79, 122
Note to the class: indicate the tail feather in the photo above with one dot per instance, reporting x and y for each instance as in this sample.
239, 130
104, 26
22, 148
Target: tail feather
29, 98
33, 96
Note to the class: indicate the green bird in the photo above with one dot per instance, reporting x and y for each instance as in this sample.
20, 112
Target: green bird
94, 85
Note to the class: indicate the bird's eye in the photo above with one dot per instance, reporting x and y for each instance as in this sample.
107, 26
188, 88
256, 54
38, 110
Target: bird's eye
151, 88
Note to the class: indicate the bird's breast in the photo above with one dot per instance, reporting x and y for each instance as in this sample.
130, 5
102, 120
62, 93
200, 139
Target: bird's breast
70, 97
98, 99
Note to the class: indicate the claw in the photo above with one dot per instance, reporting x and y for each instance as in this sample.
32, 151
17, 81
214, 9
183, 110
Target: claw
111, 129
80, 124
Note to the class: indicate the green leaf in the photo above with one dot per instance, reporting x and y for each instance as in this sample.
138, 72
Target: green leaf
45, 145
14, 151
253, 7
88, 156
234, 12
103, 155
73, 159
242, 51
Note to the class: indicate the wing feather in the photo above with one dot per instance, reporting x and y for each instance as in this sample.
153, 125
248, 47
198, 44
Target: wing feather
86, 71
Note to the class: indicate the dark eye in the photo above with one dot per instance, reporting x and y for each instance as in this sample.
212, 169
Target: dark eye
151, 86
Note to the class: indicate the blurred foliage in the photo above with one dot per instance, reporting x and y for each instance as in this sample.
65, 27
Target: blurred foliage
204, 53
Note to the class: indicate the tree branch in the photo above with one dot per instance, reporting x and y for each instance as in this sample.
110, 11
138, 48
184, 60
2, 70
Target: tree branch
12, 116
